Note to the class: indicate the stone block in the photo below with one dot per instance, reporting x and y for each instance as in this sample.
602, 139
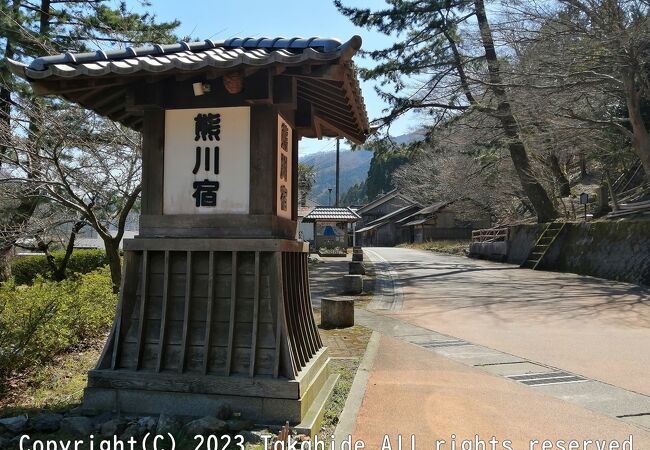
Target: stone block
357, 268
14, 424
77, 426
357, 256
205, 426
352, 284
337, 313
45, 423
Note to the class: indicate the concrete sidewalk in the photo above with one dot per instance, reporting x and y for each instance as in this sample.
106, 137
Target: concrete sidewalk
413, 391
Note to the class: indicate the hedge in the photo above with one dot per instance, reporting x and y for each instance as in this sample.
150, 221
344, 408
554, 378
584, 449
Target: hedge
38, 322
25, 269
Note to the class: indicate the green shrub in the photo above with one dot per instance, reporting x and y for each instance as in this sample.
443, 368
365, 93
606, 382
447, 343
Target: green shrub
38, 322
95, 304
25, 269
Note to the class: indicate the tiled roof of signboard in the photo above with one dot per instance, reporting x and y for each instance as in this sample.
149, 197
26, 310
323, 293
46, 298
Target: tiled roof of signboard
333, 214
337, 102
186, 56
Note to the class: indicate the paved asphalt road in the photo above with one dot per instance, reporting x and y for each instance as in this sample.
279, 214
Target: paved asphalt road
422, 381
588, 326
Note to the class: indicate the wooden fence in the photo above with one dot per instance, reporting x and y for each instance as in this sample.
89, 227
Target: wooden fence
490, 235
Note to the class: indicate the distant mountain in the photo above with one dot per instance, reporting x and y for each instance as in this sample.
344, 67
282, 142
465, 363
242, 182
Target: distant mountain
408, 138
354, 169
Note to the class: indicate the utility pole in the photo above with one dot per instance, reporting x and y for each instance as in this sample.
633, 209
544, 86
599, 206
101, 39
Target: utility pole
337, 173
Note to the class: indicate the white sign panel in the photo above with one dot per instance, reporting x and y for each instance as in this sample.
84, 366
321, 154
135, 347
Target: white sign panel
284, 171
207, 161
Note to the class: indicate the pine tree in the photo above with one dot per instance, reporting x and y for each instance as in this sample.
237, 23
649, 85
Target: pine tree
380, 172
33, 29
459, 77
30, 30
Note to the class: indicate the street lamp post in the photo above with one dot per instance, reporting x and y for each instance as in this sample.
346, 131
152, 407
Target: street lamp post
336, 199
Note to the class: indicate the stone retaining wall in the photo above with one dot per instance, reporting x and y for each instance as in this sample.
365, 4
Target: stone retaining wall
613, 250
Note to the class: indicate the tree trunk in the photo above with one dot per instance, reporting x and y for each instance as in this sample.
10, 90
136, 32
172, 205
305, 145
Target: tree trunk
641, 139
59, 273
535, 192
17, 217
583, 166
5, 90
612, 193
559, 175
5, 263
114, 262
44, 247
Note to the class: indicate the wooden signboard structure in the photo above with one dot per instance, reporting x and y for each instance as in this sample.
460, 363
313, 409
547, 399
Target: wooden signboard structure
215, 303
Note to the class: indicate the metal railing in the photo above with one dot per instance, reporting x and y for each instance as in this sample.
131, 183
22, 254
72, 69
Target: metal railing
490, 235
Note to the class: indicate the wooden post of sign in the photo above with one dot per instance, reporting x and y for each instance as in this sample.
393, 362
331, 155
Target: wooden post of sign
215, 303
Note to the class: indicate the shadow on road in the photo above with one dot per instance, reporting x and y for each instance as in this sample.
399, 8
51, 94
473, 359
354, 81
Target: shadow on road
448, 283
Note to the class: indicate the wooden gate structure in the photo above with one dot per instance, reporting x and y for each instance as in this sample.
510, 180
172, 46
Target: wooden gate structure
215, 304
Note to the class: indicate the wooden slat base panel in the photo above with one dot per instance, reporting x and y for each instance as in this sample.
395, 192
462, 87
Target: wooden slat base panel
218, 313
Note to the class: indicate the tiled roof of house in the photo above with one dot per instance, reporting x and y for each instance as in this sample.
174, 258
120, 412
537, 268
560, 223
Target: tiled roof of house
383, 199
333, 214
395, 213
429, 210
371, 227
417, 222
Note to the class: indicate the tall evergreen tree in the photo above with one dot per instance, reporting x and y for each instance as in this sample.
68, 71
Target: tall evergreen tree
380, 173
33, 29
45, 27
456, 75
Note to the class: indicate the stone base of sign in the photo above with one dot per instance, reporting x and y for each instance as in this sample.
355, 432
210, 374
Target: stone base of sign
263, 401
202, 321
352, 284
311, 422
337, 312
356, 268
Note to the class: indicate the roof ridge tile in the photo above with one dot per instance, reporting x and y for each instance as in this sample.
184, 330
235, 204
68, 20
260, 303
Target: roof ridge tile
325, 45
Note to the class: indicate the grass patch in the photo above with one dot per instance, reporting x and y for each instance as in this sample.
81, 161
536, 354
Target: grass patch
346, 368
47, 319
344, 342
57, 386
451, 247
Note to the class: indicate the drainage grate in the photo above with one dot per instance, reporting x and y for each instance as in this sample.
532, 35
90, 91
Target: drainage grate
449, 343
543, 379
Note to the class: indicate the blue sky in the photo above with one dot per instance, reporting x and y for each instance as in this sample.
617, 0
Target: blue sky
222, 19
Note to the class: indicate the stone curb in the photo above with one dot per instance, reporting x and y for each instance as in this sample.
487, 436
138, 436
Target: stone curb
348, 417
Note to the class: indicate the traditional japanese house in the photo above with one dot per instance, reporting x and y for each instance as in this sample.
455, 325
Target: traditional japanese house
444, 220
382, 205
385, 231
